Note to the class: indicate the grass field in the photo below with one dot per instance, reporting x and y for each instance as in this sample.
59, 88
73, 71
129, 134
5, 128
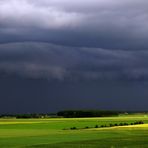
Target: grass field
49, 133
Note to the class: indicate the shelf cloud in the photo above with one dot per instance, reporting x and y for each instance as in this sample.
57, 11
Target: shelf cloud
49, 61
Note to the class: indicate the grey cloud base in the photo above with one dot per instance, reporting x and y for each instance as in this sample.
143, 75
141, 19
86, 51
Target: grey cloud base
49, 61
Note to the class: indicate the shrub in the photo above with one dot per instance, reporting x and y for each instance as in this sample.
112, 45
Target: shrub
86, 127
125, 123
102, 125
73, 128
111, 125
96, 126
120, 124
136, 123
141, 122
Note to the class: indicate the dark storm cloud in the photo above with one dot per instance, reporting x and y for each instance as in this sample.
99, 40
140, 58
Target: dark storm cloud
93, 52
49, 61
100, 23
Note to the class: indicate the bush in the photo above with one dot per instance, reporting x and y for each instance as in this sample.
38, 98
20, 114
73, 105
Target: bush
120, 124
137, 122
86, 127
102, 125
141, 122
125, 123
96, 126
73, 128
111, 125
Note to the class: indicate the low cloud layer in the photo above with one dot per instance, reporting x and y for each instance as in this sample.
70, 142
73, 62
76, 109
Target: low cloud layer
95, 23
49, 61
102, 39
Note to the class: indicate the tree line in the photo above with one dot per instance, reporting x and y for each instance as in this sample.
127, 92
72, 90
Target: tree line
26, 116
69, 114
87, 113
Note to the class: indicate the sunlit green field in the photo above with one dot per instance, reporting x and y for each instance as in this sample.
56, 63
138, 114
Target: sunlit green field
51, 133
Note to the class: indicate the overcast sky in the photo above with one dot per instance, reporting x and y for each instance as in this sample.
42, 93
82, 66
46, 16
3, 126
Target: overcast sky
73, 54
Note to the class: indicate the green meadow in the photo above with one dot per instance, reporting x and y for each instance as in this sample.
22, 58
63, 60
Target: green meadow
56, 133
